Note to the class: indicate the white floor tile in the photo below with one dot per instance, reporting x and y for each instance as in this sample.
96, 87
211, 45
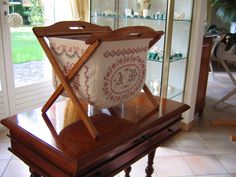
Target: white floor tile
201, 150
229, 161
3, 164
205, 165
16, 168
221, 175
5, 154
171, 166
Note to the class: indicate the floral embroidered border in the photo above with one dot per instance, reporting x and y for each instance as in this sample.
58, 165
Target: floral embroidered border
70, 52
125, 51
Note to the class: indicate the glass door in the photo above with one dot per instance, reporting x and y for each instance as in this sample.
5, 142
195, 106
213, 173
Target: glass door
4, 108
27, 70
4, 104
178, 60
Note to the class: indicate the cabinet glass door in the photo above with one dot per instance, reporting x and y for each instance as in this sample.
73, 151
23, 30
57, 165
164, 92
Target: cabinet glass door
153, 13
105, 13
179, 48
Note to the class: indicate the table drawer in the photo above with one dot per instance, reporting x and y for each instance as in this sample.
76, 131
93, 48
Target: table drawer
165, 133
142, 147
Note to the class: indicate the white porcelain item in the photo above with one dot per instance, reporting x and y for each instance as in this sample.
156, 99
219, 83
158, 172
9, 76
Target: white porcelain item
233, 27
145, 13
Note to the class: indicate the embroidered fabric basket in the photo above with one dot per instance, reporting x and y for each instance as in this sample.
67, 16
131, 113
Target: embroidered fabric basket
114, 73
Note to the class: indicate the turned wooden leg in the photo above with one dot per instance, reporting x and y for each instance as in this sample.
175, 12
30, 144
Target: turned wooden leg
33, 173
149, 169
127, 171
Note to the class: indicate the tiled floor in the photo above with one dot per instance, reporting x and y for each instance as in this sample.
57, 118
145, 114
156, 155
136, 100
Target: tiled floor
205, 151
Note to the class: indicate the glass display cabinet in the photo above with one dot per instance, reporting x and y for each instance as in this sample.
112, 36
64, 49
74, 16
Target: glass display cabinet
167, 59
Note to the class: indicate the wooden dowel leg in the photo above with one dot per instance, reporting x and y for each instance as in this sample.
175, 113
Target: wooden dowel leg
127, 171
52, 98
149, 169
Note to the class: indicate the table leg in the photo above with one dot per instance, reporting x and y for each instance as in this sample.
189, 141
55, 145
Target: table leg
33, 173
149, 169
127, 171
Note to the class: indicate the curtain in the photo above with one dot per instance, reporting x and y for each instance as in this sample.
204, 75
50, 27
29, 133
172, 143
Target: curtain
61, 10
80, 9
57, 10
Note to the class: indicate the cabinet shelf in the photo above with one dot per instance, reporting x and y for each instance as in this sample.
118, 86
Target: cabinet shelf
171, 60
134, 18
171, 95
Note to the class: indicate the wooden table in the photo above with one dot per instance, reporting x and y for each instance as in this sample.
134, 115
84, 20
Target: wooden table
58, 144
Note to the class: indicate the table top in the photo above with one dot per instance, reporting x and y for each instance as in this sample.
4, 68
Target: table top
61, 135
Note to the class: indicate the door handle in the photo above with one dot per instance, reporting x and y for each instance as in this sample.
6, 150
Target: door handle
5, 3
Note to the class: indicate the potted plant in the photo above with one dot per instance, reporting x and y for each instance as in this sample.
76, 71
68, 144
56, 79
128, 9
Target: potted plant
226, 11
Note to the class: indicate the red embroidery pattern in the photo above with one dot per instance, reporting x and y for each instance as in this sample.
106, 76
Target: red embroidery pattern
76, 81
86, 72
125, 51
70, 52
124, 78
68, 67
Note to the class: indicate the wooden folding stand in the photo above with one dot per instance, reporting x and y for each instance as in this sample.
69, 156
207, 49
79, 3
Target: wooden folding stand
95, 36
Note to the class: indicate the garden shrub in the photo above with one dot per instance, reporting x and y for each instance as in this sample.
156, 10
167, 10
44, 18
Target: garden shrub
36, 13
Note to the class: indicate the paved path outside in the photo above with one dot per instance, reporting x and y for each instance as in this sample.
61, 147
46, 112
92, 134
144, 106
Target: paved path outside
31, 72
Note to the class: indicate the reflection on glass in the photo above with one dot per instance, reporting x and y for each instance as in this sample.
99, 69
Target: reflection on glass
64, 113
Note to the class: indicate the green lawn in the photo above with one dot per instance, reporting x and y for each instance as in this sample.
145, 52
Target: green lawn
25, 47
